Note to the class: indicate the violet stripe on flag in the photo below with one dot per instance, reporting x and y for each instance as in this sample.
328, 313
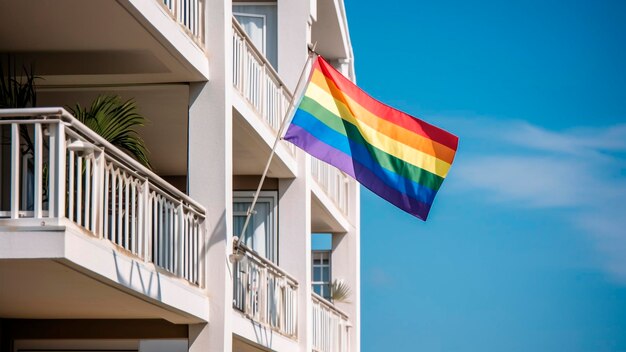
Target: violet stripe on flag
399, 157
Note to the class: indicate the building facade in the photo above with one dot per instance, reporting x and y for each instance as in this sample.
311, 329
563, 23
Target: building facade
101, 253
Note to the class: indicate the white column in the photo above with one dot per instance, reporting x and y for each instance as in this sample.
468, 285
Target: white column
295, 242
293, 38
346, 265
210, 176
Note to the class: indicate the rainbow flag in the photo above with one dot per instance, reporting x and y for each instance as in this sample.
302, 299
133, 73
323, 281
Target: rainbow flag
397, 156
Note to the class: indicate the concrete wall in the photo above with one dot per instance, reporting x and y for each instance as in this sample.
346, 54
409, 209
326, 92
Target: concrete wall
210, 181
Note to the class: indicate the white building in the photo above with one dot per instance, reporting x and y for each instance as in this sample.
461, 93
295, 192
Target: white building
97, 252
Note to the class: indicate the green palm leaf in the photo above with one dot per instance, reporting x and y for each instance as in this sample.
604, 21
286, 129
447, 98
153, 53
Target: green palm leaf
116, 121
340, 291
17, 91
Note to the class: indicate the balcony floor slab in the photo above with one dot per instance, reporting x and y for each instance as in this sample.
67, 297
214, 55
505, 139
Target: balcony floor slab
61, 272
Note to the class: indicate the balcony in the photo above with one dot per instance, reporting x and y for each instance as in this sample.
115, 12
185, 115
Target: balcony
265, 293
333, 182
103, 42
330, 198
260, 102
256, 80
58, 176
331, 328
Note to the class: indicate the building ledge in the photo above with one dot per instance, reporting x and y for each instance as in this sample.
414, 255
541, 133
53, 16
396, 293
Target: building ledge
253, 140
62, 271
259, 335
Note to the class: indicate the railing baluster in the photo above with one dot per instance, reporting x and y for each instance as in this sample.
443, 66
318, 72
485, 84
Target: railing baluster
99, 190
15, 171
106, 191
154, 225
142, 230
184, 249
127, 231
72, 187
133, 217
178, 238
161, 221
87, 193
113, 218
172, 237
194, 258
79, 189
38, 173
146, 220
120, 204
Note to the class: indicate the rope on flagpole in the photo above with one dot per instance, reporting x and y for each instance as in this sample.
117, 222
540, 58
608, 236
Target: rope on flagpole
279, 136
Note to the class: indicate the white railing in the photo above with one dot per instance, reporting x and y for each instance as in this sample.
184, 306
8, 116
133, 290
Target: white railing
265, 293
256, 81
330, 327
190, 14
54, 168
334, 183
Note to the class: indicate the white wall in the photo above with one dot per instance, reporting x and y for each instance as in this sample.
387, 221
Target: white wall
210, 175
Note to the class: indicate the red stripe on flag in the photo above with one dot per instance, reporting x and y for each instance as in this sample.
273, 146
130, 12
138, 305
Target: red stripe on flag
385, 111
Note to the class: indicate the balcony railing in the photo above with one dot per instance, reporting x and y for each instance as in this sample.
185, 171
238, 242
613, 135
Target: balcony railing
334, 183
330, 327
265, 293
257, 82
190, 14
55, 169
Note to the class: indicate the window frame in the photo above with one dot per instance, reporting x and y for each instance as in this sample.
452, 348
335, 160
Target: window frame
328, 258
264, 196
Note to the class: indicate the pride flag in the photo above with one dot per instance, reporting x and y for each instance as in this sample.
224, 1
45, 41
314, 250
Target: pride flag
402, 159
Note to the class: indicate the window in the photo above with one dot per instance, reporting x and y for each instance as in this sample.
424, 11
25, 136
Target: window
261, 233
259, 23
321, 273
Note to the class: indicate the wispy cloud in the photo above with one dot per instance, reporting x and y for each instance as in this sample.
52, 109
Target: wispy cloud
580, 141
378, 277
581, 169
532, 180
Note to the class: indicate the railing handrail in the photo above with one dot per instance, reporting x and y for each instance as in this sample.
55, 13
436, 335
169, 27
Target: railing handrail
253, 255
68, 118
273, 74
323, 301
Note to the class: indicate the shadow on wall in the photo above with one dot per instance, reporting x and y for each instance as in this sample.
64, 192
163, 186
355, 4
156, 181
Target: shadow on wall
264, 335
146, 282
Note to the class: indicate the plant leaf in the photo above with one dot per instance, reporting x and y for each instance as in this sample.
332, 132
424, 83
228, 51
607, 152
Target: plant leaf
116, 121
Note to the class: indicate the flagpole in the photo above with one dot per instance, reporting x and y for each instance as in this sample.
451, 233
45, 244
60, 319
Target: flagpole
279, 136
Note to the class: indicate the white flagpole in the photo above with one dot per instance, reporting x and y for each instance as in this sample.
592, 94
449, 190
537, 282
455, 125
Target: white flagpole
279, 136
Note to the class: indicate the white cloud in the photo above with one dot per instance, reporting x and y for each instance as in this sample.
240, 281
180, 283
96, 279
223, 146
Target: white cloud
379, 277
536, 181
582, 169
581, 141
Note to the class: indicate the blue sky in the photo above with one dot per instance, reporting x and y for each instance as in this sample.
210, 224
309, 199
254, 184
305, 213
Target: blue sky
525, 247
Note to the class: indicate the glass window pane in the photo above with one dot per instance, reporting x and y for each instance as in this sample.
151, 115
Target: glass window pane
326, 291
325, 274
317, 289
317, 274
